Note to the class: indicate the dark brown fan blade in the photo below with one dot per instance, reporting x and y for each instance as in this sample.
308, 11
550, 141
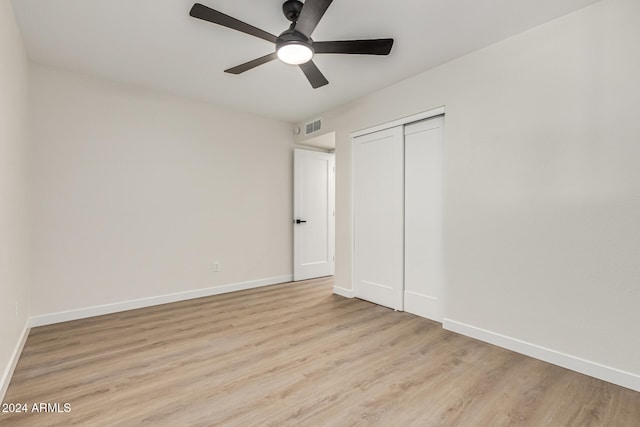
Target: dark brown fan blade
358, 47
252, 64
313, 74
312, 12
207, 14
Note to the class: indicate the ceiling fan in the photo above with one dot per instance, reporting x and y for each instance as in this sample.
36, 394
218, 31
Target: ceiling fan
294, 45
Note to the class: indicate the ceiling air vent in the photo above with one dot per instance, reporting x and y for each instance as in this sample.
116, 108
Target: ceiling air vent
313, 127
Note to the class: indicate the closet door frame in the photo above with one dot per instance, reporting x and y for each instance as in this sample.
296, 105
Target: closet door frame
384, 126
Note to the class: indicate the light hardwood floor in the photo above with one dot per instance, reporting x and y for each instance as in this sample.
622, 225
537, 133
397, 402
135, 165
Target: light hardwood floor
294, 354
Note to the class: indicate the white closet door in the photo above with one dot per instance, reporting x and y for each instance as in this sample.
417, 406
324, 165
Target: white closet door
423, 218
378, 217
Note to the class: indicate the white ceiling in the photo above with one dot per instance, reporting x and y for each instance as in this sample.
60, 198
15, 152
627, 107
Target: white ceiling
156, 44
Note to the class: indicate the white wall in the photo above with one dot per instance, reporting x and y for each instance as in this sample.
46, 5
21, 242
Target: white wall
542, 183
136, 194
14, 280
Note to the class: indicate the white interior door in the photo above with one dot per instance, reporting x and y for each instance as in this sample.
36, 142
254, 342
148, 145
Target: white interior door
378, 217
423, 218
313, 213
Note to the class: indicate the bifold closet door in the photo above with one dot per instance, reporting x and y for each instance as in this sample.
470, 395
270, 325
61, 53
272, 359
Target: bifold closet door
378, 186
423, 144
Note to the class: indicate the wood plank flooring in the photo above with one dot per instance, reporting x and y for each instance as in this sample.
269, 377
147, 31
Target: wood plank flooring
294, 355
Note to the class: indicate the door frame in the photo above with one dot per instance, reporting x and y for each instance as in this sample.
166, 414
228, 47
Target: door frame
438, 111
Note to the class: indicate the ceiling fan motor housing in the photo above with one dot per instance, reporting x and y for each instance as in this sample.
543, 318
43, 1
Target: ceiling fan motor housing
291, 36
292, 9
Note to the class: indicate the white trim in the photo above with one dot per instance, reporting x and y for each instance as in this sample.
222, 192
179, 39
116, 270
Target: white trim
64, 316
15, 356
352, 219
587, 367
399, 122
344, 292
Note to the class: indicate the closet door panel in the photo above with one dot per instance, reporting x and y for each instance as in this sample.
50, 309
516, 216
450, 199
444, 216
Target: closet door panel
378, 180
423, 218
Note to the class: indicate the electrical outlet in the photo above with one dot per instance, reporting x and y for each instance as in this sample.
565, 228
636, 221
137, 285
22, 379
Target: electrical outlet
216, 266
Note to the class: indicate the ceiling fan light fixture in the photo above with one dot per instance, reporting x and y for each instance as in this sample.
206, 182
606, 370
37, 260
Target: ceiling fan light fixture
294, 45
295, 53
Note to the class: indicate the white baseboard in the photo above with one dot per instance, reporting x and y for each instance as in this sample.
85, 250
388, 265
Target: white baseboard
593, 369
8, 372
82, 313
422, 305
347, 293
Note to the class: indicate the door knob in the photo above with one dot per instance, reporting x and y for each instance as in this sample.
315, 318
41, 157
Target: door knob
298, 221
